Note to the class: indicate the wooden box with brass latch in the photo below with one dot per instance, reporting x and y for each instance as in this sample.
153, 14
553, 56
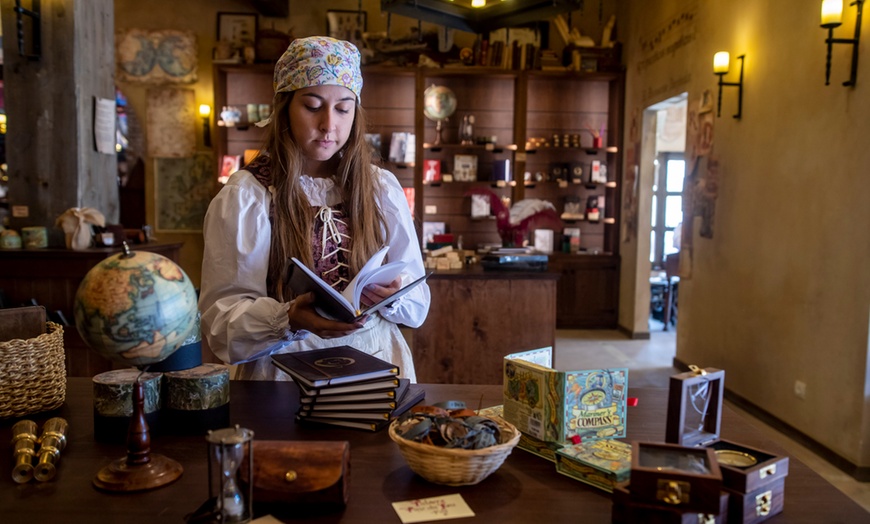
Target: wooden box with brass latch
757, 506
684, 479
694, 419
626, 510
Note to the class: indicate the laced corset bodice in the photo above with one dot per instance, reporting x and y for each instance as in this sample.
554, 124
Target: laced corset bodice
331, 241
331, 246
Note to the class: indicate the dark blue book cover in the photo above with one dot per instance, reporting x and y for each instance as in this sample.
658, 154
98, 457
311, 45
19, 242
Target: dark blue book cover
332, 366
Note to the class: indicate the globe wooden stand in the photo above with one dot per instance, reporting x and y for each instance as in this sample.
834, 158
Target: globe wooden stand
140, 470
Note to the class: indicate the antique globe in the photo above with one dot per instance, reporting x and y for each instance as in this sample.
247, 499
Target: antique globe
135, 308
439, 102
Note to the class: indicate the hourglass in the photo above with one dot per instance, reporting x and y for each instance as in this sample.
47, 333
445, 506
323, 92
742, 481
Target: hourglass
226, 451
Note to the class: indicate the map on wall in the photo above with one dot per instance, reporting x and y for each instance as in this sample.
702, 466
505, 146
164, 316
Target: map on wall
156, 57
183, 191
170, 122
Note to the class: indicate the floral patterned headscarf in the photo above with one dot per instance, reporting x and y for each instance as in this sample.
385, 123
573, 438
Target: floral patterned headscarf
318, 61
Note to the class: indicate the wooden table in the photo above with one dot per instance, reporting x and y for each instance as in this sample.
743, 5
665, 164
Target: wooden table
525, 489
477, 317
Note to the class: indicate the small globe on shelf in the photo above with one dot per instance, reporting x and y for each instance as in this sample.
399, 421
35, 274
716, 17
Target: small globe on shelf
135, 308
439, 102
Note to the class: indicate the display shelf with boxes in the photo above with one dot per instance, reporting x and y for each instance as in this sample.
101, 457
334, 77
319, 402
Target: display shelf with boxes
571, 148
468, 127
242, 97
487, 116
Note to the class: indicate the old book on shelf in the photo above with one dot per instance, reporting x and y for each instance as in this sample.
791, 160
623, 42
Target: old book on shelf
347, 306
560, 406
333, 366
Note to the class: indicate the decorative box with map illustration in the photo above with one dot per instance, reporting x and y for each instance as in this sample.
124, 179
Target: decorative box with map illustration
559, 406
601, 463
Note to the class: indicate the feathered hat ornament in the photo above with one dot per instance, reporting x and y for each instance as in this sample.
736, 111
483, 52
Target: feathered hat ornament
513, 224
76, 223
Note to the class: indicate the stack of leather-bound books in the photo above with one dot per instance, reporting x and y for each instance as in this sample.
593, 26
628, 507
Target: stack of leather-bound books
344, 386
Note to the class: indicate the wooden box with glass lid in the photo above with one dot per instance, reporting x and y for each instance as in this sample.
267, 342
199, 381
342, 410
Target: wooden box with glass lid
553, 136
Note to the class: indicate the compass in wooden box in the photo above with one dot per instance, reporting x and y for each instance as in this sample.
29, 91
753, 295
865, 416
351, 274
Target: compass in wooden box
754, 478
628, 511
683, 479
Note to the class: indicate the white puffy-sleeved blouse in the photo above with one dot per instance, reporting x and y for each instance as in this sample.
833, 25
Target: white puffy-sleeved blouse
243, 325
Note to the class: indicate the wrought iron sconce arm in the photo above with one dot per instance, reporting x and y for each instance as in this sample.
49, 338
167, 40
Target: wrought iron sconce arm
739, 85
852, 41
35, 33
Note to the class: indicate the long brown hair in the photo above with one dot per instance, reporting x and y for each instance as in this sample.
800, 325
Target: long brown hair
292, 214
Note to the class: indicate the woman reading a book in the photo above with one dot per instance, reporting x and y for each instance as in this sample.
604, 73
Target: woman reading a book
313, 194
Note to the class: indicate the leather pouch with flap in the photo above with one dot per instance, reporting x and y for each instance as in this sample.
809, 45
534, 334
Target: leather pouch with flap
300, 472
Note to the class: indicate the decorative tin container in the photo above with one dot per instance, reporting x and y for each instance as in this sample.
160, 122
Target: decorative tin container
34, 237
601, 463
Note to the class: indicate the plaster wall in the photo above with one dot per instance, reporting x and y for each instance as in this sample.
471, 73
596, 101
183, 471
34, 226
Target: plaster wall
781, 291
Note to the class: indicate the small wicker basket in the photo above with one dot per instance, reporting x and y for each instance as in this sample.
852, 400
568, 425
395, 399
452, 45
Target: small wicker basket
457, 467
32, 373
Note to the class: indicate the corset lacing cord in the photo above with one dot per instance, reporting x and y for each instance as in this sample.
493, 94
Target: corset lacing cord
331, 232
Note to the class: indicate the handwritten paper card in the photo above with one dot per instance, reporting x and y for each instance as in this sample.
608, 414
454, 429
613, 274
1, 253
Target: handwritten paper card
434, 508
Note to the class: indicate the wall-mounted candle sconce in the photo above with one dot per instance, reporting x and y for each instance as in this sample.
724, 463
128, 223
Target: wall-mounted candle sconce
204, 112
832, 16
35, 34
721, 65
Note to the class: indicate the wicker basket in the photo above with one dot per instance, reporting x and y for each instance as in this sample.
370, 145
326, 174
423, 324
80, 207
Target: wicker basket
457, 467
32, 373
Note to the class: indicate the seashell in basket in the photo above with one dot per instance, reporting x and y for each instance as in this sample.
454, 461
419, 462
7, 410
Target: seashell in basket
457, 467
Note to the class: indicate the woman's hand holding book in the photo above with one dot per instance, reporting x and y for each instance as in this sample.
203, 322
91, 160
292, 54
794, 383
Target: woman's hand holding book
303, 315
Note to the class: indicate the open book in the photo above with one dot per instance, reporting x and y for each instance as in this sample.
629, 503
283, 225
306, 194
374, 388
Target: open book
347, 306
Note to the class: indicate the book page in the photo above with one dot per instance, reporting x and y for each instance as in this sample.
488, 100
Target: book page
381, 276
350, 293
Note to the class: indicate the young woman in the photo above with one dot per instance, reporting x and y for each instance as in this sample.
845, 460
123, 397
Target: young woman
312, 194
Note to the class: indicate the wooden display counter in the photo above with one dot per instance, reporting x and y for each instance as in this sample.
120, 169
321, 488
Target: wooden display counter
52, 276
477, 317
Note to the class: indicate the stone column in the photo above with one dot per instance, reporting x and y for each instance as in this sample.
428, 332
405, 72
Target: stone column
51, 154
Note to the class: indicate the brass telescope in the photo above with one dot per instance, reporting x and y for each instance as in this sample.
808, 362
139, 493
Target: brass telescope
23, 450
52, 441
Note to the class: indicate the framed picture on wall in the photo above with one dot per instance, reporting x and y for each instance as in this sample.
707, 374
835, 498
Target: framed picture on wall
237, 28
346, 25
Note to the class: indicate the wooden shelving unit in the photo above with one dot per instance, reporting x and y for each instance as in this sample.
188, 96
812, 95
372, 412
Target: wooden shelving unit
510, 108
